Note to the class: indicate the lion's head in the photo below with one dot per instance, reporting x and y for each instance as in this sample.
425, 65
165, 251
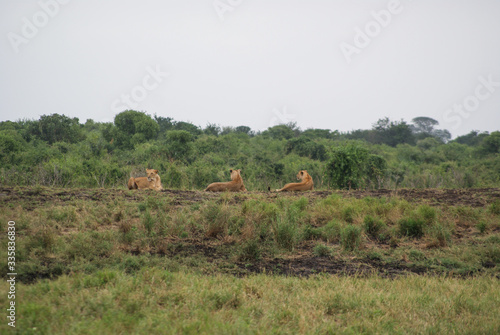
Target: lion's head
302, 174
235, 174
151, 174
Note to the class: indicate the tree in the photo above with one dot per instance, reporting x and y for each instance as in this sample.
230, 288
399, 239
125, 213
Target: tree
179, 144
320, 133
491, 144
243, 129
134, 127
474, 138
165, 123
442, 134
280, 132
424, 127
352, 166
10, 142
423, 124
393, 132
212, 129
305, 147
189, 127
57, 128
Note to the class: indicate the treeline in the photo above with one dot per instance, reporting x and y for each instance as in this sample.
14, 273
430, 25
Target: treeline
60, 151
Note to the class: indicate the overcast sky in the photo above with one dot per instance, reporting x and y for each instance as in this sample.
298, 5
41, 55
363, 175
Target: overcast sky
321, 63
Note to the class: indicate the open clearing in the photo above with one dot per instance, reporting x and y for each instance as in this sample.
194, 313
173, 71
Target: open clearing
301, 262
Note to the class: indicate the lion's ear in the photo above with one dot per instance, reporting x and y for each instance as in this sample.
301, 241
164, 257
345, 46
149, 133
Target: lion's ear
156, 171
301, 173
231, 171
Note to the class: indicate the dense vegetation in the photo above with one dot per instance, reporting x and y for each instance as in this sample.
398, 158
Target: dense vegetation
59, 151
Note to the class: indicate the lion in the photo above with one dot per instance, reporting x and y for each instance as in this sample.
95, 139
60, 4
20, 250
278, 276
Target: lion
305, 185
235, 185
152, 181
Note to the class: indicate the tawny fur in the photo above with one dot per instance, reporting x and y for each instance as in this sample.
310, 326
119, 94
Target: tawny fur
306, 183
152, 181
235, 185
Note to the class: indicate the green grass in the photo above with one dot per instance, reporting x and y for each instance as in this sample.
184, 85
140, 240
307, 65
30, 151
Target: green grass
162, 262
157, 300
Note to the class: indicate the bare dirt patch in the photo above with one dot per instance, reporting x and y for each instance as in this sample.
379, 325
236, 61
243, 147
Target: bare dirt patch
32, 197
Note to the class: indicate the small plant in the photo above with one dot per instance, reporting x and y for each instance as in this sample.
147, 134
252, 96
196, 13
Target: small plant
348, 214
482, 227
331, 231
285, 234
376, 256
411, 227
321, 250
142, 207
216, 218
301, 204
311, 233
350, 237
373, 226
416, 255
148, 222
495, 208
250, 251
427, 213
125, 226
441, 234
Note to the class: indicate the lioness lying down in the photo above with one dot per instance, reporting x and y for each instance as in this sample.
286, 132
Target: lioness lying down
305, 185
152, 181
235, 185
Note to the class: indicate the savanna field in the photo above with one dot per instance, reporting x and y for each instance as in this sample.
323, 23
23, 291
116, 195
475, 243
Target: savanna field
400, 235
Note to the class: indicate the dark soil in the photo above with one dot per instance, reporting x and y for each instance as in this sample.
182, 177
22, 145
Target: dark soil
31, 197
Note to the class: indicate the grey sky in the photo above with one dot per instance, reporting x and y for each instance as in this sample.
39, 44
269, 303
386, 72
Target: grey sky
254, 62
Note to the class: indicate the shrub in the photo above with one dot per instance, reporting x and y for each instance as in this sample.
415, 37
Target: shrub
495, 207
373, 226
321, 250
427, 213
311, 233
482, 227
250, 251
348, 214
411, 227
331, 231
148, 222
216, 218
286, 234
301, 204
441, 234
416, 255
350, 237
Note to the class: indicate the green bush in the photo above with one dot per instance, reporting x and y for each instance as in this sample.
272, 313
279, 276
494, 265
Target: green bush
348, 214
321, 250
427, 213
250, 251
416, 255
350, 237
373, 226
441, 234
482, 227
331, 231
286, 234
495, 208
311, 233
411, 227
148, 222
